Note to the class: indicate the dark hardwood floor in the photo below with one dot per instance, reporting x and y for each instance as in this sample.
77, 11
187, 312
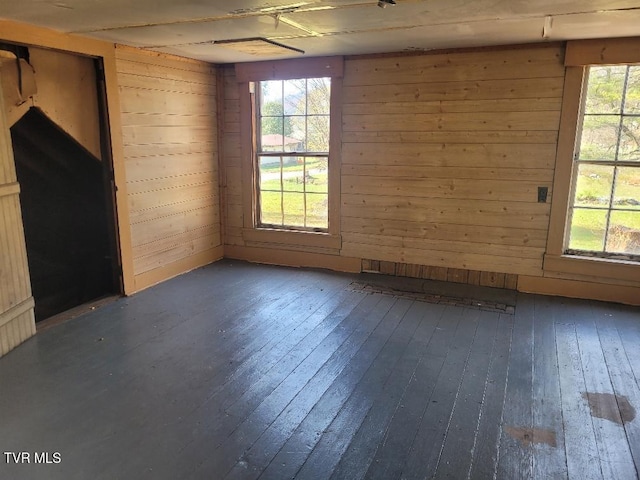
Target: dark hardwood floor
239, 371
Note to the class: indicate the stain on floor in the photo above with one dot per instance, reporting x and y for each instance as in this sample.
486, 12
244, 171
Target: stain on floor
527, 436
615, 408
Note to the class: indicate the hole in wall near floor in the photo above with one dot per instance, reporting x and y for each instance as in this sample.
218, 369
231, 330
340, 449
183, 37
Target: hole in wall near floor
478, 304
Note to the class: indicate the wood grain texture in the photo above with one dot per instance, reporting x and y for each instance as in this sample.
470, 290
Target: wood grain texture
515, 457
17, 321
67, 94
244, 371
569, 121
580, 288
604, 51
443, 155
168, 110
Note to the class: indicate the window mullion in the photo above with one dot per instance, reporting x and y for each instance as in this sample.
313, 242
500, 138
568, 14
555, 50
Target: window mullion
281, 191
306, 136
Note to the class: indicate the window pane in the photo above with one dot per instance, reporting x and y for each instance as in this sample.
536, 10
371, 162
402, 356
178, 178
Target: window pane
270, 208
271, 97
293, 209
587, 229
298, 127
317, 210
632, 100
295, 102
604, 92
627, 194
317, 174
593, 187
599, 137
624, 233
270, 173
630, 139
272, 139
318, 133
319, 96
293, 175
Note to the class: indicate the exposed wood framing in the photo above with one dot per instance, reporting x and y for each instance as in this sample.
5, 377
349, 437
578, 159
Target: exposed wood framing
455, 275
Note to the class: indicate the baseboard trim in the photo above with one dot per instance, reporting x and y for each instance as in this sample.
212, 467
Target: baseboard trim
157, 275
578, 289
292, 258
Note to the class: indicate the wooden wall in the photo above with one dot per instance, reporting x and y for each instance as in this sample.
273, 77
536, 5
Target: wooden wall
65, 90
169, 134
442, 157
17, 322
67, 94
230, 154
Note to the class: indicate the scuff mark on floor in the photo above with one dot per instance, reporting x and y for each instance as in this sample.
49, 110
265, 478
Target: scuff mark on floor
527, 436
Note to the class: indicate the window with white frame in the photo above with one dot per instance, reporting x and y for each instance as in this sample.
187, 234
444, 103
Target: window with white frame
604, 213
292, 135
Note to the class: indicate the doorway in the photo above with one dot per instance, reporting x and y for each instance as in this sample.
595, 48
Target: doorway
64, 212
66, 188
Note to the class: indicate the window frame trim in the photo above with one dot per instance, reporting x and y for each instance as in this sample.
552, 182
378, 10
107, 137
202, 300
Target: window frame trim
260, 152
578, 56
329, 241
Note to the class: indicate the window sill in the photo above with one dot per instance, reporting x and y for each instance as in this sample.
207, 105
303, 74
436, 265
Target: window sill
593, 267
283, 238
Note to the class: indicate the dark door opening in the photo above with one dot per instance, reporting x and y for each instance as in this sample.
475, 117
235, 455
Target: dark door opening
69, 228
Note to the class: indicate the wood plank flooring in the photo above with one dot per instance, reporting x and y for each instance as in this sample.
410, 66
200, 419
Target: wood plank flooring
240, 371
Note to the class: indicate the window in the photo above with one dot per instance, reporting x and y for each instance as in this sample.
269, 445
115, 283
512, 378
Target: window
292, 153
290, 130
604, 209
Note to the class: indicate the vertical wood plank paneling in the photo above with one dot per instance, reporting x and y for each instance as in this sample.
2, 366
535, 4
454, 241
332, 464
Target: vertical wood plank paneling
440, 150
170, 139
17, 322
454, 275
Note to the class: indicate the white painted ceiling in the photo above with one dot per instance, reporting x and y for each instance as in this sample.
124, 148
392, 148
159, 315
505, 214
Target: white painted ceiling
190, 27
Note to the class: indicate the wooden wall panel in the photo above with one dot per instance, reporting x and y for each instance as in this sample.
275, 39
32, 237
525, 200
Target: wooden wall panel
169, 131
67, 93
455, 275
230, 149
17, 321
443, 155
65, 89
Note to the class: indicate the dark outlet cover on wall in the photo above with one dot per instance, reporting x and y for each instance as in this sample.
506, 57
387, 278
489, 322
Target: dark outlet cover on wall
542, 194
